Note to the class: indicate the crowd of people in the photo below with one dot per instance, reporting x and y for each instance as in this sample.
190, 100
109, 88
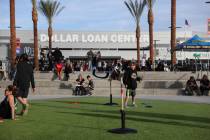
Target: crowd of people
22, 76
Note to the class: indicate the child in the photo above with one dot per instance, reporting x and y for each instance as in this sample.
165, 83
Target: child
7, 106
130, 79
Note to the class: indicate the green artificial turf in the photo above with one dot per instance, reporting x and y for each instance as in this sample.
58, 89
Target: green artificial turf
88, 119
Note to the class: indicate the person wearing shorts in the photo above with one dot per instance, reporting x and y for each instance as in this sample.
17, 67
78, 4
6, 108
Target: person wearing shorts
130, 81
130, 92
24, 76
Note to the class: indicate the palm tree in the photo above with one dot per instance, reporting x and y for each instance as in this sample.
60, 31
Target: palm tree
12, 33
50, 9
136, 9
150, 4
173, 32
35, 19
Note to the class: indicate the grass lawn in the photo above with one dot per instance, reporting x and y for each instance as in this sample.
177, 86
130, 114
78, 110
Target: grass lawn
89, 119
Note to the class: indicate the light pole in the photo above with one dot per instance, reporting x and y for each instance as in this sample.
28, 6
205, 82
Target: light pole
155, 45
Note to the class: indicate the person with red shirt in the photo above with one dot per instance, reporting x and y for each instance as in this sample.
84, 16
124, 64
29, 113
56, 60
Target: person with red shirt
58, 68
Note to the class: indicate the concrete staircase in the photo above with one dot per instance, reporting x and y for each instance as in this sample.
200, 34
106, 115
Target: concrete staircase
154, 83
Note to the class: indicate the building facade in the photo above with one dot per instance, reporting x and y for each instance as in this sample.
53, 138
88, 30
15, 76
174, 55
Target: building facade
119, 44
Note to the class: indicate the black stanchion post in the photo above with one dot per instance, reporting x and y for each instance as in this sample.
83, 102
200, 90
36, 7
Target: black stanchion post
123, 129
104, 77
110, 102
110, 91
122, 118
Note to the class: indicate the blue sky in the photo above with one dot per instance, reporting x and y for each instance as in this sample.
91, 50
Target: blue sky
109, 15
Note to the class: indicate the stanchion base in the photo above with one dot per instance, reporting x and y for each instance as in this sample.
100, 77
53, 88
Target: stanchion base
111, 104
123, 131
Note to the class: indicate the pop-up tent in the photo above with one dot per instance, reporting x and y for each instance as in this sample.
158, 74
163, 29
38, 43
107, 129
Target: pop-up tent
194, 43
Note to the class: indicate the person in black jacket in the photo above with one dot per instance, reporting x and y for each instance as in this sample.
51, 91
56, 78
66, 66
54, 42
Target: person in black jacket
192, 87
57, 54
23, 78
205, 85
130, 79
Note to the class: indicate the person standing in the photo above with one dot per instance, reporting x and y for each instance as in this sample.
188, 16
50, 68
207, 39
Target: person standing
24, 76
68, 69
90, 58
130, 79
57, 54
58, 69
143, 64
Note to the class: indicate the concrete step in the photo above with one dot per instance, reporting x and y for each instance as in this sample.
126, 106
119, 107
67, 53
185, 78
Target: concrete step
146, 75
102, 91
106, 84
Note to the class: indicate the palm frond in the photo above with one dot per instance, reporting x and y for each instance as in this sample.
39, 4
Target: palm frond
50, 9
33, 2
150, 3
129, 8
133, 8
136, 8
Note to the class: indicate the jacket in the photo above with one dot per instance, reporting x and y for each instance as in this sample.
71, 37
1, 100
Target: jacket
130, 79
24, 75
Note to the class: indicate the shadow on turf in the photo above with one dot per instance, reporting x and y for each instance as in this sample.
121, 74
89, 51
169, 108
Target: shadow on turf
163, 116
149, 120
62, 106
79, 102
173, 117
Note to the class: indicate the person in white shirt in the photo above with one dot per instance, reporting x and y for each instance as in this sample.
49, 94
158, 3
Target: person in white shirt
143, 64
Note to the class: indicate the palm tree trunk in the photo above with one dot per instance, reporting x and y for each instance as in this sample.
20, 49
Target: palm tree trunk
151, 44
50, 38
35, 19
138, 44
173, 32
12, 33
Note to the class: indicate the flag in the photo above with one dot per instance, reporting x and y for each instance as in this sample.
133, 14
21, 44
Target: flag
187, 23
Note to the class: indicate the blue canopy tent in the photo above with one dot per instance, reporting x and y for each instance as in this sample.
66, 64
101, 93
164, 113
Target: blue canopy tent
194, 43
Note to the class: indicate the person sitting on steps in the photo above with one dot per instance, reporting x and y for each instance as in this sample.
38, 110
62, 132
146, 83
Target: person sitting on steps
90, 86
204, 85
192, 87
79, 90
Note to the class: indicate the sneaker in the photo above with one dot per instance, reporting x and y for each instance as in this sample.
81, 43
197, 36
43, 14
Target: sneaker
134, 105
126, 106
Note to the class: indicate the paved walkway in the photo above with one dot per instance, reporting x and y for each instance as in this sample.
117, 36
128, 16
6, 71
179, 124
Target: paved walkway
191, 99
